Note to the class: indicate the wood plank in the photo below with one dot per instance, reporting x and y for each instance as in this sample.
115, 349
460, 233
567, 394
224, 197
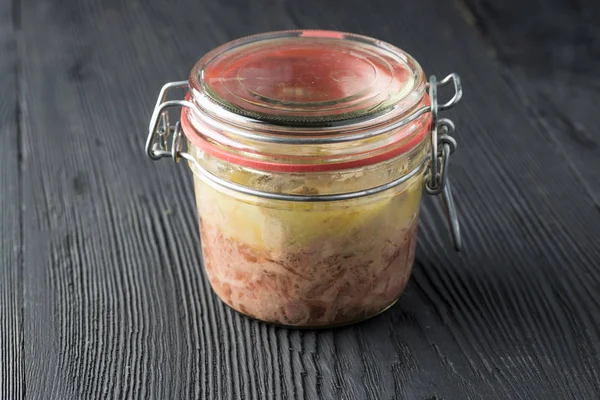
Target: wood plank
117, 306
11, 282
550, 50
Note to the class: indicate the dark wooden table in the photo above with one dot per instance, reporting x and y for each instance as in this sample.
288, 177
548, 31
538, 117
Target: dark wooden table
101, 290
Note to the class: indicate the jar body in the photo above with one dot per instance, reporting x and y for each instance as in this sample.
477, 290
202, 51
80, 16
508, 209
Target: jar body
309, 264
309, 151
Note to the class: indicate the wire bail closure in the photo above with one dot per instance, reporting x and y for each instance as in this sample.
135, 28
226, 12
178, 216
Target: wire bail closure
160, 129
442, 146
436, 182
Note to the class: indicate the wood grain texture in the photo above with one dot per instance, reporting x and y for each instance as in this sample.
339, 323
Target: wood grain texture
115, 301
552, 53
12, 384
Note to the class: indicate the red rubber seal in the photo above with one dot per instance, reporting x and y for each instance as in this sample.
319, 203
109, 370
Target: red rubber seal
199, 141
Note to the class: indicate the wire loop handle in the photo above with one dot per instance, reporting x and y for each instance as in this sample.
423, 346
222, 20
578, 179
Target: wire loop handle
443, 144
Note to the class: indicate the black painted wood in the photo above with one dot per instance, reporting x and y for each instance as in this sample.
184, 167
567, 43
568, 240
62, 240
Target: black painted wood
114, 302
552, 51
11, 282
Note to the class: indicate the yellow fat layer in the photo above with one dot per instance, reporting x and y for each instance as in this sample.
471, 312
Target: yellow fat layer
269, 225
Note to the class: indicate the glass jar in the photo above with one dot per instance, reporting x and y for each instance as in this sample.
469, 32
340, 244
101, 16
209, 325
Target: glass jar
310, 151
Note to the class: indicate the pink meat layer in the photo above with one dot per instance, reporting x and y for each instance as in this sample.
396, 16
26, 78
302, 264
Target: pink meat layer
317, 286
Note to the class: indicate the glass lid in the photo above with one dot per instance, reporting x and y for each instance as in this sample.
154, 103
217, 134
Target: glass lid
307, 77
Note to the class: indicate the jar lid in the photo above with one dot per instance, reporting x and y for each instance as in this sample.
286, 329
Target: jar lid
307, 78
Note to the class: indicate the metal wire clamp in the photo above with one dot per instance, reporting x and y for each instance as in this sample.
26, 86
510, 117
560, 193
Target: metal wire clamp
442, 146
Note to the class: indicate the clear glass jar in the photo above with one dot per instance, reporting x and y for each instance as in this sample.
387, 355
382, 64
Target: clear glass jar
310, 151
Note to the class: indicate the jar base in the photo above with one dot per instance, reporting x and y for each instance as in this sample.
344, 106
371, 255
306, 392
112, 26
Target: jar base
313, 327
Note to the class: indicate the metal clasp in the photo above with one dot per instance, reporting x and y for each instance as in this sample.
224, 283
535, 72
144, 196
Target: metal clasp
442, 146
160, 128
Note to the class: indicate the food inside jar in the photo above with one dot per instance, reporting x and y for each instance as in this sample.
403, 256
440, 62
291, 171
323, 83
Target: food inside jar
308, 264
